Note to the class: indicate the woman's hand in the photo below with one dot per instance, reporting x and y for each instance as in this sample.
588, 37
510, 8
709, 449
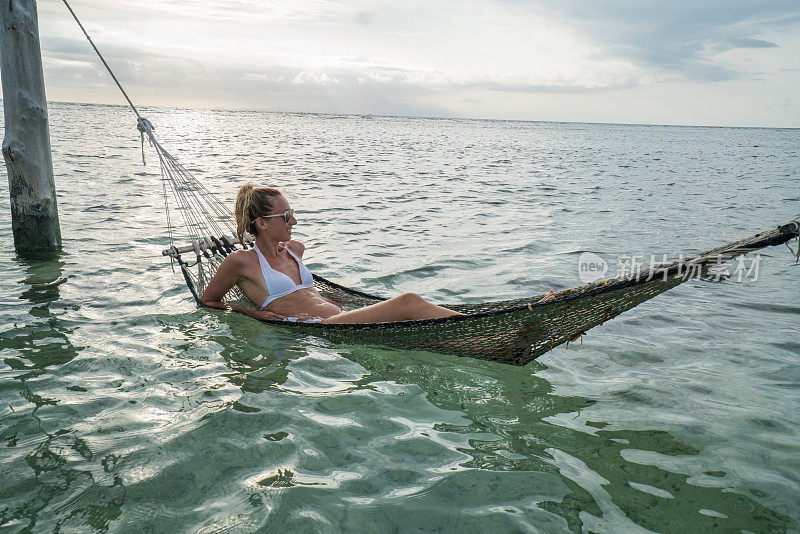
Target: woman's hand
258, 314
266, 314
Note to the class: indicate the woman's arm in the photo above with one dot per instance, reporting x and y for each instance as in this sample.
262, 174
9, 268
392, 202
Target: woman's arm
230, 273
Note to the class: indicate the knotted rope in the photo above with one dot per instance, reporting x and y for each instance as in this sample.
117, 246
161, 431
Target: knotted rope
204, 215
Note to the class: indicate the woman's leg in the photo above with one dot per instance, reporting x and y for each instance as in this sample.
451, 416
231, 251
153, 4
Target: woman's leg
406, 307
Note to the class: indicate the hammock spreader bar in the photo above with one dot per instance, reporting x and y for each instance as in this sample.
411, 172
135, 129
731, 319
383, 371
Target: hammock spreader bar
511, 331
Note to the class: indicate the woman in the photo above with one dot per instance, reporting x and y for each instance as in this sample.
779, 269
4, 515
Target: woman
272, 272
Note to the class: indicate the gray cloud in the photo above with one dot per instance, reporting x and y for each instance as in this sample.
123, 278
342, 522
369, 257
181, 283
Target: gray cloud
679, 37
746, 42
566, 88
364, 18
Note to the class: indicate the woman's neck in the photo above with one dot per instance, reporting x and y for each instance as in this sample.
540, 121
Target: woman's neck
268, 247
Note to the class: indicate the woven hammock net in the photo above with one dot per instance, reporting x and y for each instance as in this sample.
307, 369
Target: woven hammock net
509, 331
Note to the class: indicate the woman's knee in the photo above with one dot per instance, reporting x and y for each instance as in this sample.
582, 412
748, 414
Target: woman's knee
410, 299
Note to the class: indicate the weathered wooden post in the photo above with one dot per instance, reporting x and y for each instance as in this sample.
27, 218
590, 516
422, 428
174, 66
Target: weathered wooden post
26, 145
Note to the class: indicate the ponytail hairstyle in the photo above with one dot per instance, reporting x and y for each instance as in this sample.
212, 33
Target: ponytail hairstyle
251, 203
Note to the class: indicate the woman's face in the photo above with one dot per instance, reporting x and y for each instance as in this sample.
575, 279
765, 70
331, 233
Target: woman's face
276, 228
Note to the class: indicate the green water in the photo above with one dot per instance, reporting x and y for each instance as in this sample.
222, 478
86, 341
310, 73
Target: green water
123, 408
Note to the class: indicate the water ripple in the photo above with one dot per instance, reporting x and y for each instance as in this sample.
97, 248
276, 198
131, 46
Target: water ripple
124, 408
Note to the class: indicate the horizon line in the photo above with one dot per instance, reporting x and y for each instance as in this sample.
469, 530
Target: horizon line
425, 117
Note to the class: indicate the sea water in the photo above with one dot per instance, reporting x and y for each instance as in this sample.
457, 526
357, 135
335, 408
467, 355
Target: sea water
124, 408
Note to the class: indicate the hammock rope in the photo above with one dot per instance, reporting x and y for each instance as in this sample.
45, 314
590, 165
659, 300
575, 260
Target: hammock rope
511, 331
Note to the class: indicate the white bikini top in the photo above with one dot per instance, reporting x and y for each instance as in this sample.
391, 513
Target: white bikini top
278, 284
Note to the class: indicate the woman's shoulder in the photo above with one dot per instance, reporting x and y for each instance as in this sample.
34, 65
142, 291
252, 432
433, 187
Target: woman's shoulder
240, 258
296, 247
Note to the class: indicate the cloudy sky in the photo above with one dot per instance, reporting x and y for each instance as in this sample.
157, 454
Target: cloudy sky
715, 62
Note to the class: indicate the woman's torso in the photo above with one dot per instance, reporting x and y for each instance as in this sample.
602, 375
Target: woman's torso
301, 302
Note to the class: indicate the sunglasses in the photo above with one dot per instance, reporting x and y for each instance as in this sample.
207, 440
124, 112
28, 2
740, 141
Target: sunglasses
287, 215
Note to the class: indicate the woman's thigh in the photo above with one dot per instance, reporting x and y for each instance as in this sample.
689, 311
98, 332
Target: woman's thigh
382, 312
406, 307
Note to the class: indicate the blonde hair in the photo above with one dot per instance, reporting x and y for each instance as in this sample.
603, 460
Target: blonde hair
251, 203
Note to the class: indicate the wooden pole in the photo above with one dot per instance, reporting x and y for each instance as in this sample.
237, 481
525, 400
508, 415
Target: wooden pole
26, 145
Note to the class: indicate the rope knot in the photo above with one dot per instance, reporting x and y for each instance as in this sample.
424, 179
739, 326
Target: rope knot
145, 127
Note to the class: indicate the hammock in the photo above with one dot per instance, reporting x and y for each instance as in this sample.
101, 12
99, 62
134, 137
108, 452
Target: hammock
510, 331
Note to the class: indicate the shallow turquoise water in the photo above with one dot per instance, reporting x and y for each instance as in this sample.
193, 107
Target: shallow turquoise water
124, 408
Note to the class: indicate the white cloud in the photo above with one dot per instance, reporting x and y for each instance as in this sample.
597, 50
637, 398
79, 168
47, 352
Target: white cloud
314, 78
531, 60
